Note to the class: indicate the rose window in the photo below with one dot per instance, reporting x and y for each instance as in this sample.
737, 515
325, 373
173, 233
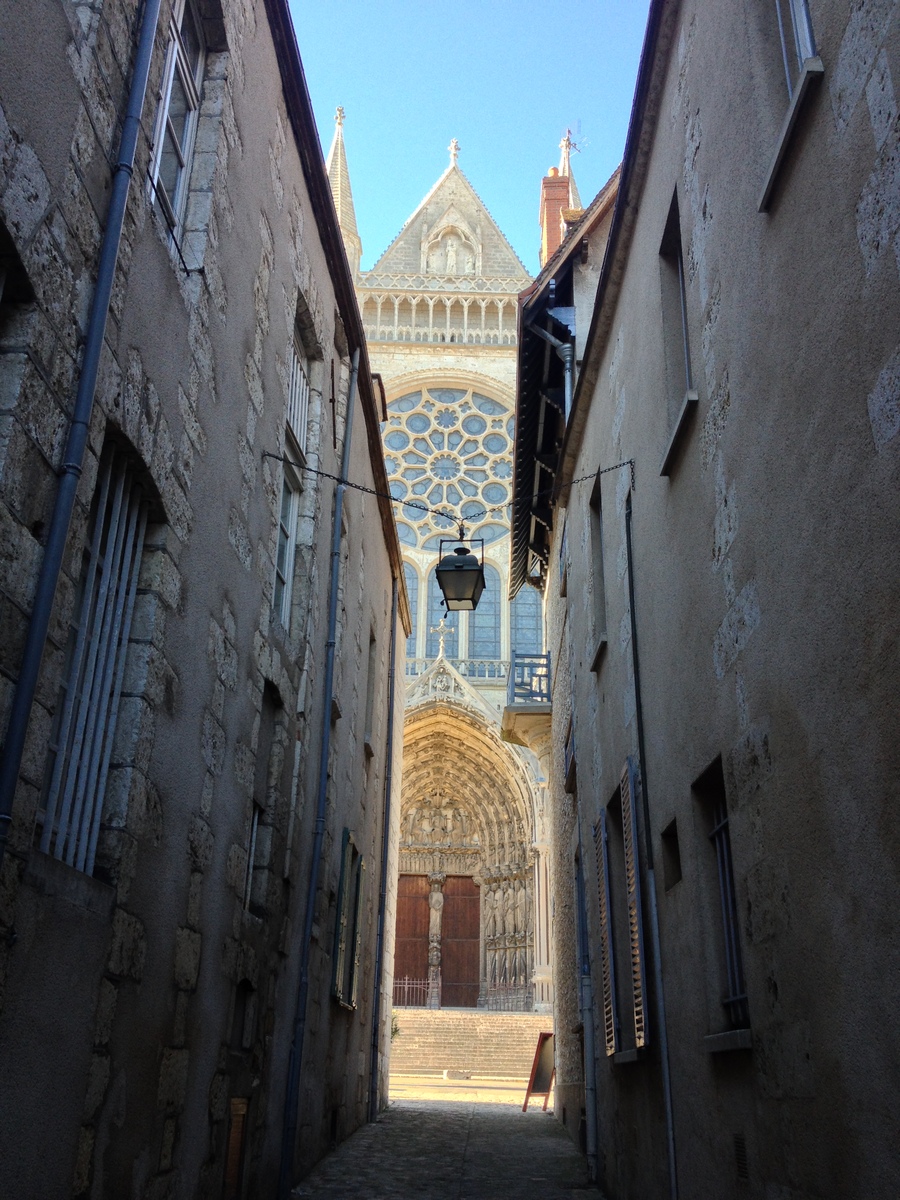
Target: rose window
449, 448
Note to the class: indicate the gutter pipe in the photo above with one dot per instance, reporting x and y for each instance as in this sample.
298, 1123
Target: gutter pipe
566, 352
586, 997
295, 1061
73, 458
651, 875
385, 851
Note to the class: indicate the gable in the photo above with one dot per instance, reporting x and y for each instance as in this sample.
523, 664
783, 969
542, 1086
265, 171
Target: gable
452, 234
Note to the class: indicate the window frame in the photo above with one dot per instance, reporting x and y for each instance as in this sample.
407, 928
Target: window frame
177, 62
348, 924
681, 395
298, 394
287, 536
90, 695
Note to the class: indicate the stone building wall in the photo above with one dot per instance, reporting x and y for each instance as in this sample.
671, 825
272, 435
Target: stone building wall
148, 1005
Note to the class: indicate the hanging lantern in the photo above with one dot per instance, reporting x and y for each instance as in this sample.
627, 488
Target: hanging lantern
460, 575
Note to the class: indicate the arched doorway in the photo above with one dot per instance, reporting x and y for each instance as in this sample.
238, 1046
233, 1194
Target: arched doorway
466, 895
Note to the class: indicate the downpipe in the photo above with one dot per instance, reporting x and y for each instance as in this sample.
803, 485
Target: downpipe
295, 1061
73, 458
385, 853
586, 1001
651, 875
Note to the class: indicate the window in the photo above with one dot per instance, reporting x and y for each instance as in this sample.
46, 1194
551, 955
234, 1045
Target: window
348, 925
709, 790
437, 612
525, 622
176, 118
681, 399
484, 622
287, 542
797, 41
370, 695
85, 726
270, 759
298, 395
802, 67
412, 590
621, 915
597, 581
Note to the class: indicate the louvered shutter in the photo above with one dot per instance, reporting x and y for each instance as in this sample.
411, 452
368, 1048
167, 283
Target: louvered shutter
607, 962
628, 791
353, 989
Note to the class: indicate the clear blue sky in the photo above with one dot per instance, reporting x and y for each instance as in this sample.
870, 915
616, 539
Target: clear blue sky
505, 77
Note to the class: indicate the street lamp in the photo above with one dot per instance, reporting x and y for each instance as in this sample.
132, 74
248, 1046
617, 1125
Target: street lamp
460, 574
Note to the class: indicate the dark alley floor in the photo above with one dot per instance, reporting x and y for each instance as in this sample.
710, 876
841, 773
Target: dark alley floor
439, 1150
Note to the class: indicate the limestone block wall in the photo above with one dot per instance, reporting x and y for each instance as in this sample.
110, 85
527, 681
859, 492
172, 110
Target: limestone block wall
146, 1009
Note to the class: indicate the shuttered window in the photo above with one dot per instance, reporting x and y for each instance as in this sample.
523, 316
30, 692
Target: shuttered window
607, 959
89, 704
628, 793
348, 925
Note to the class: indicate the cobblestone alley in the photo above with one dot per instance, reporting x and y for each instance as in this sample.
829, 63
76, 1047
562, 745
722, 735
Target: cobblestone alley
438, 1150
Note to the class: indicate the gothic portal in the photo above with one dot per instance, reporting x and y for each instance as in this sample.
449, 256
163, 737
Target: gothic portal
439, 309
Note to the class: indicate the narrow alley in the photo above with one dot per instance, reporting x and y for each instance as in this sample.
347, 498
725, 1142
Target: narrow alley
445, 1150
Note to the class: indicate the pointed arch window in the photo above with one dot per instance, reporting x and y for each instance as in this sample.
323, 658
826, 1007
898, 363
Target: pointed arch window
526, 634
484, 622
412, 590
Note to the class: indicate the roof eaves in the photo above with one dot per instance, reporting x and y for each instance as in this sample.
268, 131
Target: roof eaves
658, 38
306, 136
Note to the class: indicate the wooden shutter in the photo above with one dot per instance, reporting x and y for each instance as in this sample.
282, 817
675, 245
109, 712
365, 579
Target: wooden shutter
342, 918
352, 990
607, 961
628, 791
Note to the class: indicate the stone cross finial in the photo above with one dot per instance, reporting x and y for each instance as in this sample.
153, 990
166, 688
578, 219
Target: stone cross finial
440, 628
339, 116
454, 152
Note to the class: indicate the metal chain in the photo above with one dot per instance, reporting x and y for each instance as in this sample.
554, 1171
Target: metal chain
441, 512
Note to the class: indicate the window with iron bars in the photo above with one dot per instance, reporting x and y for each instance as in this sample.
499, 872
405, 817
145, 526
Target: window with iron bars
176, 118
298, 395
709, 790
85, 726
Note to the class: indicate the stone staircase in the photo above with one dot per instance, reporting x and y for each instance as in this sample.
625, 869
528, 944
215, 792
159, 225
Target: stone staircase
487, 1045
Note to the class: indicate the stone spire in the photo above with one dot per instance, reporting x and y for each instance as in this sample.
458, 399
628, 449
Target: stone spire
339, 178
566, 146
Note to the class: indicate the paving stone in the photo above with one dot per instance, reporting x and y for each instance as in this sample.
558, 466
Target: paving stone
440, 1150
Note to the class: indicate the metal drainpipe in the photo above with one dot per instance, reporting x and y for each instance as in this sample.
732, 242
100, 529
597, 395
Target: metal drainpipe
70, 471
587, 1019
651, 875
385, 852
295, 1062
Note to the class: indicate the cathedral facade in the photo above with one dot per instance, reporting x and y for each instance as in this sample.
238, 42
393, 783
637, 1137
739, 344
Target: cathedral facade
439, 309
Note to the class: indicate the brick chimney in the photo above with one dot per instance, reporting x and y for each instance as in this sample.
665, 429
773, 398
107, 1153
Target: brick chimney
554, 198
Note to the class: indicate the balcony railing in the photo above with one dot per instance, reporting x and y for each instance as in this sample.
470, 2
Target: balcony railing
529, 679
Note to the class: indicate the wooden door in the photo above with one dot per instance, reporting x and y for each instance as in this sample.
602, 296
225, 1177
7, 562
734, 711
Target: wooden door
460, 943
411, 949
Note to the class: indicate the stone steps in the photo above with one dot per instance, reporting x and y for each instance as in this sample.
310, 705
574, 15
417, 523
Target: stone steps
488, 1045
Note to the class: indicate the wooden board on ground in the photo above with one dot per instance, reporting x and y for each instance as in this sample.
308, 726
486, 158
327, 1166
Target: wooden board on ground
543, 1070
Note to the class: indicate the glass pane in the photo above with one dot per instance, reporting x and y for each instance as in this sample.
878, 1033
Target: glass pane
484, 622
169, 166
436, 611
525, 622
193, 42
412, 588
179, 110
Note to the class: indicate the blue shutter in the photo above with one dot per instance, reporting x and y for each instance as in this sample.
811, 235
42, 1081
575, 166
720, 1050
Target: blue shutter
607, 961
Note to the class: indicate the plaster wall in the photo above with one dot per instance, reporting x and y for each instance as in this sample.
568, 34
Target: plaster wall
766, 575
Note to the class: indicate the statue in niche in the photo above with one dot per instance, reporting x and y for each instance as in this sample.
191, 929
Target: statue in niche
509, 913
470, 263
451, 255
520, 907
